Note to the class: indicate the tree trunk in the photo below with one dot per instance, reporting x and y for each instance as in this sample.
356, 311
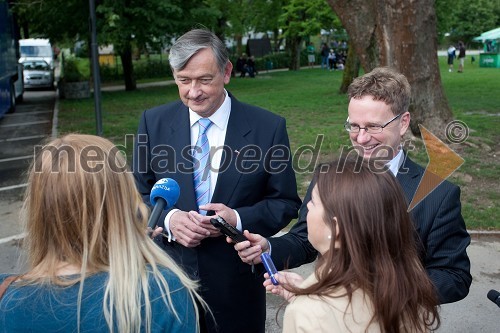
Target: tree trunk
128, 68
295, 46
351, 70
357, 17
400, 34
239, 44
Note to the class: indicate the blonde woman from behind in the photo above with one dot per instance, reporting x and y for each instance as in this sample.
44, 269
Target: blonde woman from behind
91, 265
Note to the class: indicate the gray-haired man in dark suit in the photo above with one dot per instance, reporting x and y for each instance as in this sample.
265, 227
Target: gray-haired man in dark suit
249, 180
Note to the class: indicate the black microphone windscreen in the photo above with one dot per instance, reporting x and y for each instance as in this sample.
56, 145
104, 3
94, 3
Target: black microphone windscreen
493, 295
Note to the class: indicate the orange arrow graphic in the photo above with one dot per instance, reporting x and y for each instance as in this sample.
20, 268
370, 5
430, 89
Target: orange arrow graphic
443, 161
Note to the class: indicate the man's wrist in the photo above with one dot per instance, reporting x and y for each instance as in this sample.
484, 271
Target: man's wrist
170, 237
238, 225
269, 247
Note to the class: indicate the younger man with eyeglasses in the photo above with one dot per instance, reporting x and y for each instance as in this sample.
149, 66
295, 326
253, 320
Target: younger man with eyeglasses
378, 118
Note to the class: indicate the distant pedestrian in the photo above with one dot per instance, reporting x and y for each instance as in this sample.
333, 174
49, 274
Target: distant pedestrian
311, 55
324, 56
251, 66
241, 64
461, 56
332, 60
340, 60
451, 56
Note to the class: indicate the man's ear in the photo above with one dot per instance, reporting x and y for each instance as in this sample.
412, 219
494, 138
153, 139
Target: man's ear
405, 123
227, 72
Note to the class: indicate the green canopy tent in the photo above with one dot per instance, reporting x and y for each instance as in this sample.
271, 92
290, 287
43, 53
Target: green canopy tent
489, 35
491, 56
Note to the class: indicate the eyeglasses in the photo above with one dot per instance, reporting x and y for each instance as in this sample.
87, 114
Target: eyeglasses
371, 129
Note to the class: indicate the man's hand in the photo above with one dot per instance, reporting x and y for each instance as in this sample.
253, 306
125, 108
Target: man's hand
204, 222
250, 250
223, 211
187, 230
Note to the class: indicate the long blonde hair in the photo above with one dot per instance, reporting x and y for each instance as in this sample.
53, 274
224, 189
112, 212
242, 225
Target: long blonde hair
82, 208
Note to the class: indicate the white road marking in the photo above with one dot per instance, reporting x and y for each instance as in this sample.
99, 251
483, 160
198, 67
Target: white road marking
21, 138
11, 238
17, 158
27, 124
13, 187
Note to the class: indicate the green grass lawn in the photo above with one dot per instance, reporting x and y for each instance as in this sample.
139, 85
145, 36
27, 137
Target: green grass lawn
314, 110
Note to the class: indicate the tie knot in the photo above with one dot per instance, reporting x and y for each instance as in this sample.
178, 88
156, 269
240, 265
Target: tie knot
204, 123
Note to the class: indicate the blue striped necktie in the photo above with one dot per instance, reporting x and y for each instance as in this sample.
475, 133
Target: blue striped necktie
201, 172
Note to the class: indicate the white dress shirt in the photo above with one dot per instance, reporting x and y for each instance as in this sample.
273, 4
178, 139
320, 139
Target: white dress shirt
216, 135
396, 162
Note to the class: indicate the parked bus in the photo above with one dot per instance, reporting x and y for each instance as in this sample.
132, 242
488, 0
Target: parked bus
10, 70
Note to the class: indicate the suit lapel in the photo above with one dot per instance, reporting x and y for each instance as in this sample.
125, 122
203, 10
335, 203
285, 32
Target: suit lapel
409, 175
177, 135
237, 130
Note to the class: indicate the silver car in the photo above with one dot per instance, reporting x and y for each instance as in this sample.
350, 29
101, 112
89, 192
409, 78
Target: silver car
38, 74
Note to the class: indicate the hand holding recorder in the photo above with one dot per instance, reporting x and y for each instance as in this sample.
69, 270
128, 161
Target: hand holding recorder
227, 229
250, 250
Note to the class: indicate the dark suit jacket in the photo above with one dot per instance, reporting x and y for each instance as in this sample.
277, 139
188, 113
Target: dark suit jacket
262, 190
443, 238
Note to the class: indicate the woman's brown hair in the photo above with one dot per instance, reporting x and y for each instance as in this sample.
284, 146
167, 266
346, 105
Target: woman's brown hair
378, 251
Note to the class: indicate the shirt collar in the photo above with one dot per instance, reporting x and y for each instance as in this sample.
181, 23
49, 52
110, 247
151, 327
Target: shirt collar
396, 162
219, 118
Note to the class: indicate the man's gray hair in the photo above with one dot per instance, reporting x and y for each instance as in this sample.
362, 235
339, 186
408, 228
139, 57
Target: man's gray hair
191, 43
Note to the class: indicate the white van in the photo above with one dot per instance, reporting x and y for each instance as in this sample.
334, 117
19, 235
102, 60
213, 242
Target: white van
36, 49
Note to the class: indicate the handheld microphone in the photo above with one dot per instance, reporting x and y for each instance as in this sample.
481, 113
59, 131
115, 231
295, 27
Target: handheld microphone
164, 195
494, 296
270, 268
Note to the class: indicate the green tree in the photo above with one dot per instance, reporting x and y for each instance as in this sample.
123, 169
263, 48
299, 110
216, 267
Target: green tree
265, 16
127, 24
233, 19
471, 18
301, 19
131, 23
53, 19
444, 14
464, 20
